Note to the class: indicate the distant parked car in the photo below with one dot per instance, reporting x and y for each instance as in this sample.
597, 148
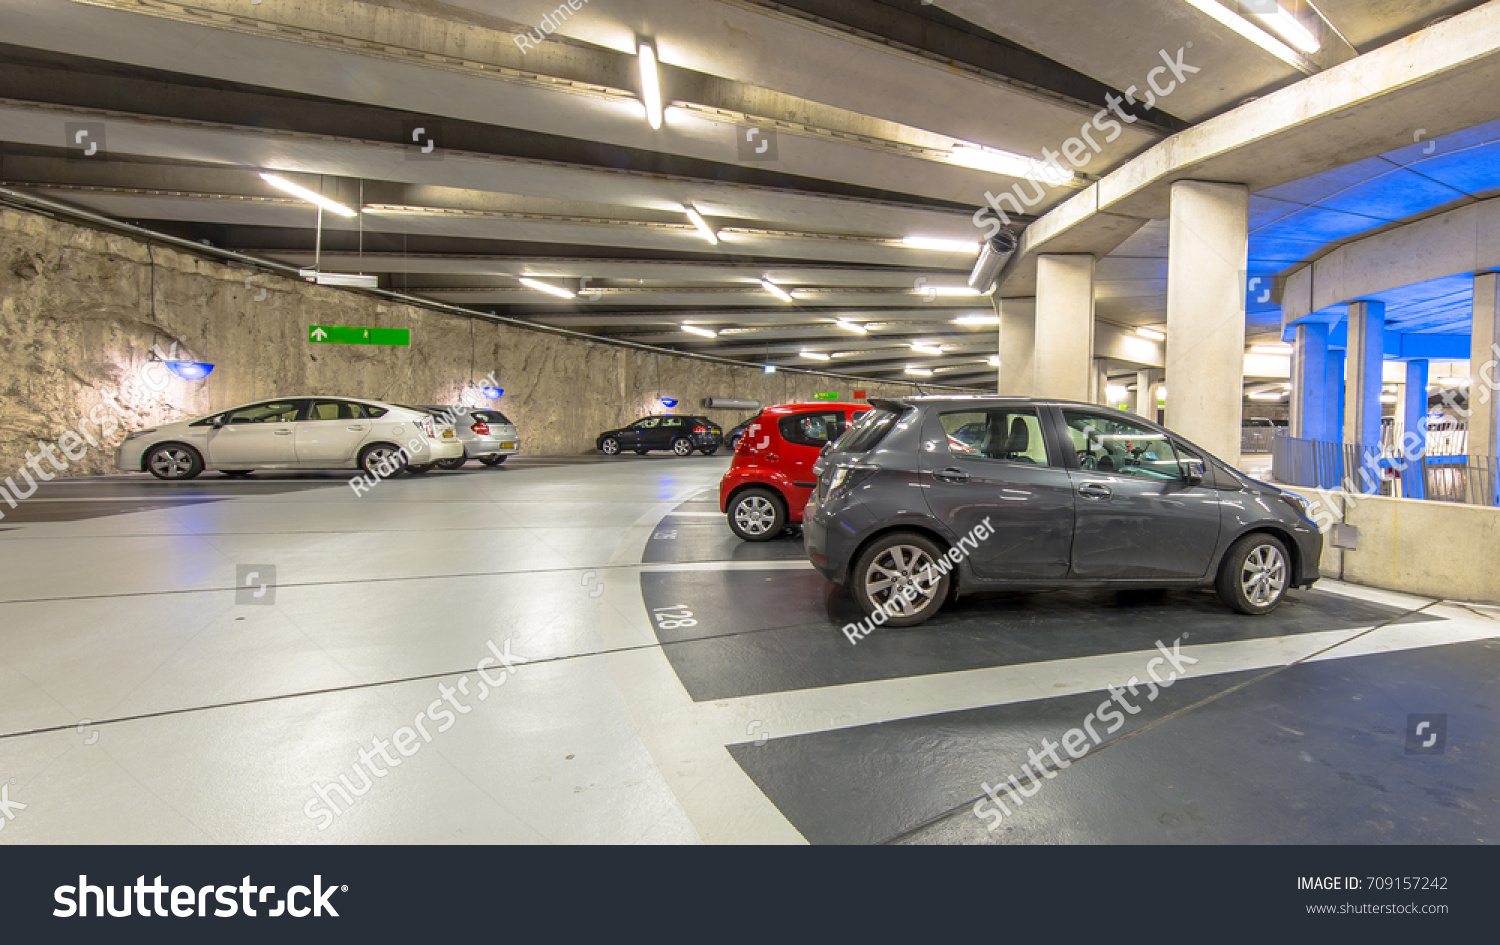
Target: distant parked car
732, 438
291, 433
771, 477
680, 434
486, 433
1256, 434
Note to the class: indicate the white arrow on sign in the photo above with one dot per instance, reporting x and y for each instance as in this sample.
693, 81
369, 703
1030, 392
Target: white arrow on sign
319, 334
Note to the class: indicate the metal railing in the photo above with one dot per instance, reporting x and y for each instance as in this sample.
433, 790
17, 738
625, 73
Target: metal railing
1348, 467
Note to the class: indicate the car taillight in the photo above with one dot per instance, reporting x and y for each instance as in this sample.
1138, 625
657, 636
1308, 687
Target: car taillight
425, 425
483, 429
700, 429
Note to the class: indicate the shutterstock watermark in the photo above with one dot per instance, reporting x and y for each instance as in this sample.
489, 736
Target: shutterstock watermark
910, 587
8, 807
1080, 150
552, 21
377, 761
1045, 765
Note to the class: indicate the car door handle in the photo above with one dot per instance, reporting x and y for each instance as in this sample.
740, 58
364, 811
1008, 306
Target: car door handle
283, 432
1095, 490
951, 475
356, 429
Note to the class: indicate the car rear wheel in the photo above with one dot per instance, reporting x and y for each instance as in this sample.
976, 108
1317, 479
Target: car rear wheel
493, 460
682, 446
609, 446
757, 515
382, 460
174, 461
898, 575
709, 450
1255, 574
456, 463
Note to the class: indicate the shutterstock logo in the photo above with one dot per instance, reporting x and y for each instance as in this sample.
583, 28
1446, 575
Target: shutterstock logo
187, 902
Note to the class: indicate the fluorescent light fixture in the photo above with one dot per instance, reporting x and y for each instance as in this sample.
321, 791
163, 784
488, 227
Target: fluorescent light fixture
1384, 398
1268, 396
919, 371
312, 197
695, 330
812, 355
775, 290
548, 288
947, 291
993, 360
851, 326
1115, 393
347, 280
700, 223
1001, 162
924, 348
770, 369
1251, 32
977, 319
940, 245
1283, 350
190, 370
1151, 333
1161, 393
650, 84
1291, 30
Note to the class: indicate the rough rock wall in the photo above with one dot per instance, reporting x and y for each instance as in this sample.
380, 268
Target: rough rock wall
81, 309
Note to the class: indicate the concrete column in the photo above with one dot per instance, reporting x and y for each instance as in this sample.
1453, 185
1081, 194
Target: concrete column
1333, 404
1146, 384
1310, 382
1207, 252
1064, 327
1414, 418
1364, 379
1017, 346
1484, 366
1101, 382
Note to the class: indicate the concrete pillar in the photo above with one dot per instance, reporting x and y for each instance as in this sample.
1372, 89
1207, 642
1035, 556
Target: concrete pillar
1146, 384
1310, 382
1101, 383
1207, 252
1017, 346
1414, 418
1333, 404
1064, 347
1484, 366
1364, 374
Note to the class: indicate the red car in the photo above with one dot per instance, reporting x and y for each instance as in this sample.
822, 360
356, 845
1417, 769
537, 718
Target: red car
771, 477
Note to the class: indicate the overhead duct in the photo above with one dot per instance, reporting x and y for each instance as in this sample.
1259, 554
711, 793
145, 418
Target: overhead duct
993, 256
730, 403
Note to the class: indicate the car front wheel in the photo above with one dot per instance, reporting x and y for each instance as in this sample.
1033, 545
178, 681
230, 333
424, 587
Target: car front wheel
1255, 574
898, 575
682, 446
757, 515
609, 446
174, 461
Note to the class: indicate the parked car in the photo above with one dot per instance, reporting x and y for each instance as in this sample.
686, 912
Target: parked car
732, 438
680, 434
486, 433
291, 433
771, 477
1257, 434
1055, 494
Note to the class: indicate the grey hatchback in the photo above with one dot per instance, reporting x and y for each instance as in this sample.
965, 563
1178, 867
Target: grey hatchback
927, 497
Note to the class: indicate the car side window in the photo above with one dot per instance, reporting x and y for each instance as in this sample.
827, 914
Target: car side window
1008, 434
811, 429
646, 424
281, 411
1121, 447
333, 410
671, 423
374, 413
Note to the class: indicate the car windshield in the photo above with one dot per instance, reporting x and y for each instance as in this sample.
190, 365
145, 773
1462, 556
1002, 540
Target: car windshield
867, 431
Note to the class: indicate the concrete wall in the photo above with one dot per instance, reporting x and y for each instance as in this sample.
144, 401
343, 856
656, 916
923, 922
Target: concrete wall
77, 322
1434, 549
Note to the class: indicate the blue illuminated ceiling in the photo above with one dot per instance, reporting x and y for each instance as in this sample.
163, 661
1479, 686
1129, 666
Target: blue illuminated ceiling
1304, 219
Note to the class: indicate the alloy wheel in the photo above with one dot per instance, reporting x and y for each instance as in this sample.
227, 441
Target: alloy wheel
894, 570
754, 515
173, 463
1264, 575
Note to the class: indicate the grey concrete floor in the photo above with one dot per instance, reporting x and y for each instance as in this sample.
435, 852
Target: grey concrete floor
678, 686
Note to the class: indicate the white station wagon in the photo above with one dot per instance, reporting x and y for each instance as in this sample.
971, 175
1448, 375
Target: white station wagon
293, 433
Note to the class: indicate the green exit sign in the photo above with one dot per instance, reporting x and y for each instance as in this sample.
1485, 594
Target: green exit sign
355, 335
826, 395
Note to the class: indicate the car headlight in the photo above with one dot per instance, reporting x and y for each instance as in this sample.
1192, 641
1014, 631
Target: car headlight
138, 434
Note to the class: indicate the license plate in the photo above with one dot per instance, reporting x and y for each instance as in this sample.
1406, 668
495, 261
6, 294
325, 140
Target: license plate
447, 434
507, 446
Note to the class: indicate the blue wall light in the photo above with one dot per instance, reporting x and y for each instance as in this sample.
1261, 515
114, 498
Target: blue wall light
668, 402
493, 393
189, 370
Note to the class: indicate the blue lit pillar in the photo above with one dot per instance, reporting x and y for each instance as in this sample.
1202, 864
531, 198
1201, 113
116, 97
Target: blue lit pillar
1414, 419
1310, 383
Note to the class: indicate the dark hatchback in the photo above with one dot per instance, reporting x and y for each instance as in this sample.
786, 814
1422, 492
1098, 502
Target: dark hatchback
680, 434
1014, 493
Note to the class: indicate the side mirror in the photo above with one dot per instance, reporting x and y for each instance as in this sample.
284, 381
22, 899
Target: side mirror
1193, 471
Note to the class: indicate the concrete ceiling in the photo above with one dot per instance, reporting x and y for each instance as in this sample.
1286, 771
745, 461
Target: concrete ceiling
544, 166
